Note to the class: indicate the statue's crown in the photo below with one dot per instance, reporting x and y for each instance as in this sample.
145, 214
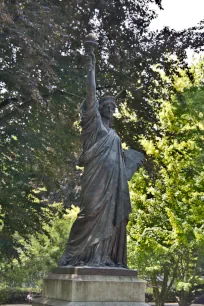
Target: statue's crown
107, 99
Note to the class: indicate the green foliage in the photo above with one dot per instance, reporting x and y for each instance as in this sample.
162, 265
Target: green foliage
42, 85
166, 228
37, 152
17, 295
41, 253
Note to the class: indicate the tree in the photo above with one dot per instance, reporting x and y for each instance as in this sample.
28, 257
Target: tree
166, 236
42, 43
42, 84
41, 253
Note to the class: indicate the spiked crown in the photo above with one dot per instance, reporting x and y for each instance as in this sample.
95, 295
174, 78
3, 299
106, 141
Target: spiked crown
106, 100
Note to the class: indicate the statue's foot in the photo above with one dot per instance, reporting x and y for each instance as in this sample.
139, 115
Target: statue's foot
63, 261
109, 263
120, 265
80, 263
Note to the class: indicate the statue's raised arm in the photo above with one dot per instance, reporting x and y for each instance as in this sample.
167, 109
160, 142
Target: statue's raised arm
90, 44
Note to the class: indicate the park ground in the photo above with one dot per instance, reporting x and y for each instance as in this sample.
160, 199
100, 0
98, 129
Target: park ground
167, 304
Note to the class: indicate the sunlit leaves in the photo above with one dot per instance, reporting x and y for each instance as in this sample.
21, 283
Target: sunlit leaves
41, 252
166, 226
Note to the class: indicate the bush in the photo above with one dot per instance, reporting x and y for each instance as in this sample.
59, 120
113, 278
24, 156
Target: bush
16, 295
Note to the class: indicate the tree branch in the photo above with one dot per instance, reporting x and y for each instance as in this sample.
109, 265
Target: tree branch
16, 111
7, 101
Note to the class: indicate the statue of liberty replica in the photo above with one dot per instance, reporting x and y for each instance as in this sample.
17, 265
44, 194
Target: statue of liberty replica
98, 236
93, 269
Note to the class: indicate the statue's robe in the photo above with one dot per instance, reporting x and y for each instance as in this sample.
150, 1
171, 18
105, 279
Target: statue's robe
98, 236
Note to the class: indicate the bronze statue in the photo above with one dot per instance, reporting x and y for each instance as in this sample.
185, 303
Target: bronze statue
98, 236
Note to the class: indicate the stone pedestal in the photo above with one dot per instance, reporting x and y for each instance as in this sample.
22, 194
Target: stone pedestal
89, 286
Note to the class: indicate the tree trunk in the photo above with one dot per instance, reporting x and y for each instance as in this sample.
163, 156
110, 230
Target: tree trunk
157, 297
160, 302
183, 298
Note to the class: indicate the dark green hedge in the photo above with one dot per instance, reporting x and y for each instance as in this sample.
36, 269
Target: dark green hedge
16, 296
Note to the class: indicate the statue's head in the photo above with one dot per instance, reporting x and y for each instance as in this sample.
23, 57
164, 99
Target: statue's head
107, 106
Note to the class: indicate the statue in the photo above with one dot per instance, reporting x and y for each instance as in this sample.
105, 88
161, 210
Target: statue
98, 236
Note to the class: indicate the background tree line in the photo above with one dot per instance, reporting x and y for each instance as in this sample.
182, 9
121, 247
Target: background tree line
42, 85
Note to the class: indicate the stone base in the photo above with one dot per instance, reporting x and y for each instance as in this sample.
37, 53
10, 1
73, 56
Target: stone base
53, 302
91, 286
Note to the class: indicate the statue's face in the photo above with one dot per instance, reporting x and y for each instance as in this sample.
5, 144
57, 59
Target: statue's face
108, 110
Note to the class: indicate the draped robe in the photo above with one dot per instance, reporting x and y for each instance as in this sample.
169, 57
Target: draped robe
98, 236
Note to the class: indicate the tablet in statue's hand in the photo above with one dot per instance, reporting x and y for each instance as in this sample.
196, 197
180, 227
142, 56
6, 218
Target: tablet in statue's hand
133, 160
